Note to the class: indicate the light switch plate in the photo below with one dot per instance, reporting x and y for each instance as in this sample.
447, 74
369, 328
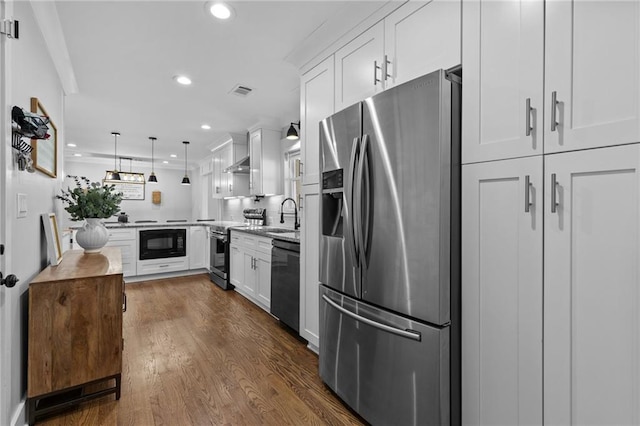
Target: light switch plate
21, 205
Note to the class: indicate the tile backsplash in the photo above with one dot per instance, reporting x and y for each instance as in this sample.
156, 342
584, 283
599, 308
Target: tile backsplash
232, 210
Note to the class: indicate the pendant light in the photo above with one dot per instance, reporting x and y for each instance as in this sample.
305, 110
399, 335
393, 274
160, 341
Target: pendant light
292, 133
152, 176
113, 174
185, 179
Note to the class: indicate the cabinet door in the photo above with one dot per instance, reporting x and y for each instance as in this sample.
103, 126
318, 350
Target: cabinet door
359, 67
502, 52
216, 175
591, 294
249, 284
502, 292
420, 38
198, 247
226, 159
309, 267
592, 66
316, 103
255, 175
236, 266
263, 279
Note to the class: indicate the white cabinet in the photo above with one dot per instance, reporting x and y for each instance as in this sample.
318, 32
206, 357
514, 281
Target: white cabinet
310, 267
250, 264
206, 167
198, 247
574, 63
265, 177
316, 103
126, 239
421, 37
502, 292
160, 266
592, 292
415, 39
226, 184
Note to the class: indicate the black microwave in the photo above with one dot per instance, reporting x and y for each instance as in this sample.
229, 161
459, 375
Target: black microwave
163, 243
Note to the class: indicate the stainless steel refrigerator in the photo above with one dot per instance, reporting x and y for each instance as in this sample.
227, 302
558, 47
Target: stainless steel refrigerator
390, 253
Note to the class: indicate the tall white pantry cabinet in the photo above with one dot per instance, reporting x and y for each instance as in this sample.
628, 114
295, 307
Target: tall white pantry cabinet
551, 212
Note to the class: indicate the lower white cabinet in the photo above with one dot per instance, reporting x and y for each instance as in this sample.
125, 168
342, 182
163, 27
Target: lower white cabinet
310, 267
592, 287
198, 247
159, 266
250, 267
502, 292
127, 240
566, 269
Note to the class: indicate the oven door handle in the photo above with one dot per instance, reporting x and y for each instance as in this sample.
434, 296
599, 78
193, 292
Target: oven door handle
222, 238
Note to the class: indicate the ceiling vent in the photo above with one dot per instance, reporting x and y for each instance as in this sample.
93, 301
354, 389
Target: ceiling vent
241, 90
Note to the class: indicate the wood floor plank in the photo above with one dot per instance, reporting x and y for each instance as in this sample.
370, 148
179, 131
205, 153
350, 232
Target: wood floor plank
198, 355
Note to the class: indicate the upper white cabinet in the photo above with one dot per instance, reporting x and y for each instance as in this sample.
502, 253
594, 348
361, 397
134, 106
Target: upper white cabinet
549, 76
502, 292
265, 177
229, 184
421, 37
591, 290
502, 48
316, 103
206, 166
415, 39
359, 67
592, 74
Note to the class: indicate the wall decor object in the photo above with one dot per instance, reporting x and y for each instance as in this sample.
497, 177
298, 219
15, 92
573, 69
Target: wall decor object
54, 245
156, 197
45, 151
130, 190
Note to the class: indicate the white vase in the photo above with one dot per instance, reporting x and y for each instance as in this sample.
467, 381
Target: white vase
92, 236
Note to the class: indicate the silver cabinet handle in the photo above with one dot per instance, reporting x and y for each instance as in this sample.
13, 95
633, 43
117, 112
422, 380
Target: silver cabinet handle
385, 69
376, 67
409, 334
230, 188
554, 201
301, 168
528, 118
554, 105
527, 194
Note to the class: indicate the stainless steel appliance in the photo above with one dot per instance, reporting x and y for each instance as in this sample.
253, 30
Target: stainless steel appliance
162, 243
285, 282
390, 253
219, 244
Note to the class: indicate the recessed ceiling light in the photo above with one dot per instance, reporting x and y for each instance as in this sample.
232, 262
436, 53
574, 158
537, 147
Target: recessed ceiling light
173, 156
72, 145
205, 127
182, 79
220, 10
77, 155
165, 162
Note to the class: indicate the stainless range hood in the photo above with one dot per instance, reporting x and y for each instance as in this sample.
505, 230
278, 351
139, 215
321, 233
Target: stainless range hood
240, 166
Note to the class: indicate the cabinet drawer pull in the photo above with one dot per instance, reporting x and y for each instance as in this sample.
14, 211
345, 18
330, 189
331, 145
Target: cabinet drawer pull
376, 67
554, 201
163, 266
385, 70
527, 194
554, 106
528, 117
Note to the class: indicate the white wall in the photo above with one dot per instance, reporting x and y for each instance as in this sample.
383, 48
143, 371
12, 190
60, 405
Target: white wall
176, 198
32, 74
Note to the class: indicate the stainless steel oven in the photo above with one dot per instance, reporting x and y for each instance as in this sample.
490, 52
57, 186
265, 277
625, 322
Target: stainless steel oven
219, 257
163, 243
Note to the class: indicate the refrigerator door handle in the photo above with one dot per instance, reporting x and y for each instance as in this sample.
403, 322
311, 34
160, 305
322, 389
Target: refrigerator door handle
351, 196
409, 334
364, 200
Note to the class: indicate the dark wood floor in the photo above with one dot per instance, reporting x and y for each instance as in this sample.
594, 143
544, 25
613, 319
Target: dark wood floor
197, 355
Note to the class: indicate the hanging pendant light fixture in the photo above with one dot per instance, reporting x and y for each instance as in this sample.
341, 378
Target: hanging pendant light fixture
185, 179
152, 176
113, 174
292, 133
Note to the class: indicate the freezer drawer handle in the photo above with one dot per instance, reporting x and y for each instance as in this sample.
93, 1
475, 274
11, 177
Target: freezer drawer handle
413, 335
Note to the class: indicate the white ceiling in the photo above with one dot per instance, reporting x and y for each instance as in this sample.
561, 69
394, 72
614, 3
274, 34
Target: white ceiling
124, 55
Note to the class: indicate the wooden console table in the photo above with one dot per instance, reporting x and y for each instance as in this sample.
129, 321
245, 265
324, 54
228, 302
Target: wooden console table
75, 331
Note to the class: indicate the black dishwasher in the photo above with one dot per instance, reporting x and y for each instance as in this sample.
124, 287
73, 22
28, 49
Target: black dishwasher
285, 282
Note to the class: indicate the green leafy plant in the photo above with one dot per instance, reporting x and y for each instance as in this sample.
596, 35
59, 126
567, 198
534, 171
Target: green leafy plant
90, 200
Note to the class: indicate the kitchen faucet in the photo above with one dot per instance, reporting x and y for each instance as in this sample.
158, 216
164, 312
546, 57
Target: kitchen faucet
296, 225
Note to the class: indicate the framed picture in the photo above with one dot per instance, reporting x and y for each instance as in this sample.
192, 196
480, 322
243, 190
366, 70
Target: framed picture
53, 237
45, 151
